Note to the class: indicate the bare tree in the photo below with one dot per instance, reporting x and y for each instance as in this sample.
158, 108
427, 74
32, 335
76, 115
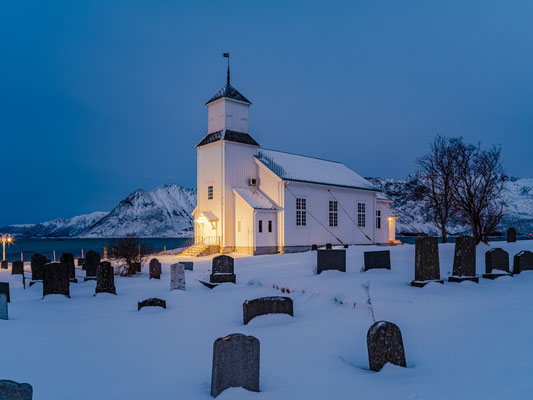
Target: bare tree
436, 172
477, 187
131, 251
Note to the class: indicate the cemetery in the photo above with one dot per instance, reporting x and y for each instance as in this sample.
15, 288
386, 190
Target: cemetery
379, 322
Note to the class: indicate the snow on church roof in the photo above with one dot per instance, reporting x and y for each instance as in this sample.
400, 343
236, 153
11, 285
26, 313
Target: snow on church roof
255, 199
230, 92
294, 167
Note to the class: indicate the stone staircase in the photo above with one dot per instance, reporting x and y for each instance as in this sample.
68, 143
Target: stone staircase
209, 245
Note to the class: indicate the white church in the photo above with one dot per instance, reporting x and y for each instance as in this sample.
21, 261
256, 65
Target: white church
258, 201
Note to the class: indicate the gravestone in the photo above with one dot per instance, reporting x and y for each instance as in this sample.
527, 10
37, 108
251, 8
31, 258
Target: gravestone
3, 306
464, 260
105, 279
385, 345
17, 268
80, 262
152, 302
330, 260
496, 260
427, 268
266, 305
4, 288
4, 264
155, 269
222, 270
177, 276
136, 268
377, 259
189, 265
92, 261
328, 246
56, 279
345, 246
11, 390
235, 363
68, 258
523, 261
511, 235
37, 267
314, 247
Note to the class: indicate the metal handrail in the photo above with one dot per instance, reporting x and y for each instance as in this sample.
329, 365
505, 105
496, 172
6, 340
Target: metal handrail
209, 240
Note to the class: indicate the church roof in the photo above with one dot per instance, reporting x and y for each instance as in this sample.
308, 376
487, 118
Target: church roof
232, 136
255, 199
230, 92
294, 167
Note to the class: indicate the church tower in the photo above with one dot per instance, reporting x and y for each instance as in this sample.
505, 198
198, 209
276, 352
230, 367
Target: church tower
225, 160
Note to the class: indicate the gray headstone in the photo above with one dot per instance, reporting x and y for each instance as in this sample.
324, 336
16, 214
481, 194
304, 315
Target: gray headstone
37, 267
222, 265
235, 363
177, 276
17, 268
222, 278
385, 345
68, 258
464, 260
11, 390
496, 259
314, 247
328, 246
330, 260
266, 305
377, 259
152, 302
4, 264
427, 267
105, 278
4, 288
188, 265
56, 279
511, 235
523, 261
155, 269
3, 306
92, 261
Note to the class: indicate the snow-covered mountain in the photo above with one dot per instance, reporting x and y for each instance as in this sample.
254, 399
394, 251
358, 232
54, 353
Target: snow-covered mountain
409, 204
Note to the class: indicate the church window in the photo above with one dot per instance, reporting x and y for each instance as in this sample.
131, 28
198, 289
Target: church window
301, 217
210, 192
361, 214
378, 219
260, 226
270, 226
333, 215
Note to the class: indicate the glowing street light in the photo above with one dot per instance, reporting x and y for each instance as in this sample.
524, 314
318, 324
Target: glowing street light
5, 238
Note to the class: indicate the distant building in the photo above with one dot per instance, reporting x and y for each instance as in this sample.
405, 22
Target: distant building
258, 201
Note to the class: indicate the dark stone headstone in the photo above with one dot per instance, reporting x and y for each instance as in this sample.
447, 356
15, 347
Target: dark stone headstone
330, 259
328, 246
105, 279
17, 268
68, 258
427, 268
314, 247
377, 259
188, 265
385, 345
511, 235
222, 278
496, 260
56, 279
80, 261
92, 261
11, 390
136, 268
222, 270
266, 305
235, 363
155, 269
345, 246
464, 260
523, 261
4, 264
4, 288
37, 267
152, 302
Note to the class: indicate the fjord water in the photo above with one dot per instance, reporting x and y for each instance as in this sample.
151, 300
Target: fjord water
46, 247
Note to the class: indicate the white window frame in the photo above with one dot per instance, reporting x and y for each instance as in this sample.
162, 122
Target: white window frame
260, 226
378, 219
270, 226
361, 214
301, 211
333, 213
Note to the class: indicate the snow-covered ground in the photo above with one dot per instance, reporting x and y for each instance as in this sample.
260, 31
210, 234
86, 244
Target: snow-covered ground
462, 341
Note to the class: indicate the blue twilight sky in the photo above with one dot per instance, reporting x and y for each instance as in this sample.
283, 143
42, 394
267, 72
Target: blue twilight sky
101, 97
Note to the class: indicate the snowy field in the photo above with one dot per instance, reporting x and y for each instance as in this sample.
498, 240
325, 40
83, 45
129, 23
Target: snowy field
462, 340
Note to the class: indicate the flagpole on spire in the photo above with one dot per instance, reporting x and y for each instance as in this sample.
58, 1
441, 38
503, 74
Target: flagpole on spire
226, 55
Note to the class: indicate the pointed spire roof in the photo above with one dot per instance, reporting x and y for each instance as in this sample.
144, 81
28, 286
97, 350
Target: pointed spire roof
229, 92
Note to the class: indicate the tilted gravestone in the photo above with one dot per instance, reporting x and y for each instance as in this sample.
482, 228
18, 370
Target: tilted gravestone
189, 265
511, 235
17, 268
523, 261
56, 279
377, 259
105, 279
314, 247
4, 288
385, 345
496, 264
222, 270
328, 246
464, 260
3, 306
92, 261
266, 305
177, 276
11, 390
80, 262
427, 267
155, 269
4, 264
330, 260
235, 363
68, 258
37, 267
152, 302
